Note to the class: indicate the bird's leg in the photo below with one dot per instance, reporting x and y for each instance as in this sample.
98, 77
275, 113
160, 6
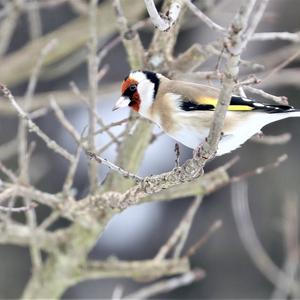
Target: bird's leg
177, 153
197, 151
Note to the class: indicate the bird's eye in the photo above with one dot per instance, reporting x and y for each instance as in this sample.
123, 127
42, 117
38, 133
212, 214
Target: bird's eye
132, 88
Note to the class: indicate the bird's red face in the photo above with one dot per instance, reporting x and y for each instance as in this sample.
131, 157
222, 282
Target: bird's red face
139, 90
130, 95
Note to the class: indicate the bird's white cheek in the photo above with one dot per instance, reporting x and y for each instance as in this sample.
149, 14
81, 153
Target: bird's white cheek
146, 91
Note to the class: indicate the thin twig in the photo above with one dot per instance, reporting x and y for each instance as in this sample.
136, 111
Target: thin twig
64, 121
18, 209
260, 170
210, 23
267, 36
71, 173
117, 123
180, 234
113, 167
54, 215
282, 65
33, 127
8, 192
22, 129
254, 21
167, 285
278, 99
110, 143
38, 113
99, 121
212, 229
279, 139
8, 172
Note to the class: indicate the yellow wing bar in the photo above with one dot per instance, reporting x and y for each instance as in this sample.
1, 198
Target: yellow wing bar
242, 106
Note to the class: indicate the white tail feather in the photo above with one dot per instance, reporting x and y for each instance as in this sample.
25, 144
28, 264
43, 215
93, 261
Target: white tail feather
243, 133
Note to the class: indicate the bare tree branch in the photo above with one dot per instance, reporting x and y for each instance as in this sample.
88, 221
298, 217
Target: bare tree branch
210, 23
167, 285
252, 245
69, 247
181, 232
140, 270
33, 127
163, 22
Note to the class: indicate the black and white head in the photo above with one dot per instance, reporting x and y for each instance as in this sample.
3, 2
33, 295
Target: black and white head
139, 90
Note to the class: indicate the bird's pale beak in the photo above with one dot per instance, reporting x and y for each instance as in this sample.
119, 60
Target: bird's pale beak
122, 102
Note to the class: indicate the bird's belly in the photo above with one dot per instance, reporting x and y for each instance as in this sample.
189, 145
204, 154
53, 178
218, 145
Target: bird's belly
189, 136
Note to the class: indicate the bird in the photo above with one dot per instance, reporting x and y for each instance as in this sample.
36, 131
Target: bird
185, 110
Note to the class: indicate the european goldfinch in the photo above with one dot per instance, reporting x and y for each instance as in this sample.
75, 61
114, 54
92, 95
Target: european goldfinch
185, 110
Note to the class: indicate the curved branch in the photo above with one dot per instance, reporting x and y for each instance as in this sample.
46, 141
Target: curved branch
163, 23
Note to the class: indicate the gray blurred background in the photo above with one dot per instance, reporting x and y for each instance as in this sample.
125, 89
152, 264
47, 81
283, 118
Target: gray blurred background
139, 232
